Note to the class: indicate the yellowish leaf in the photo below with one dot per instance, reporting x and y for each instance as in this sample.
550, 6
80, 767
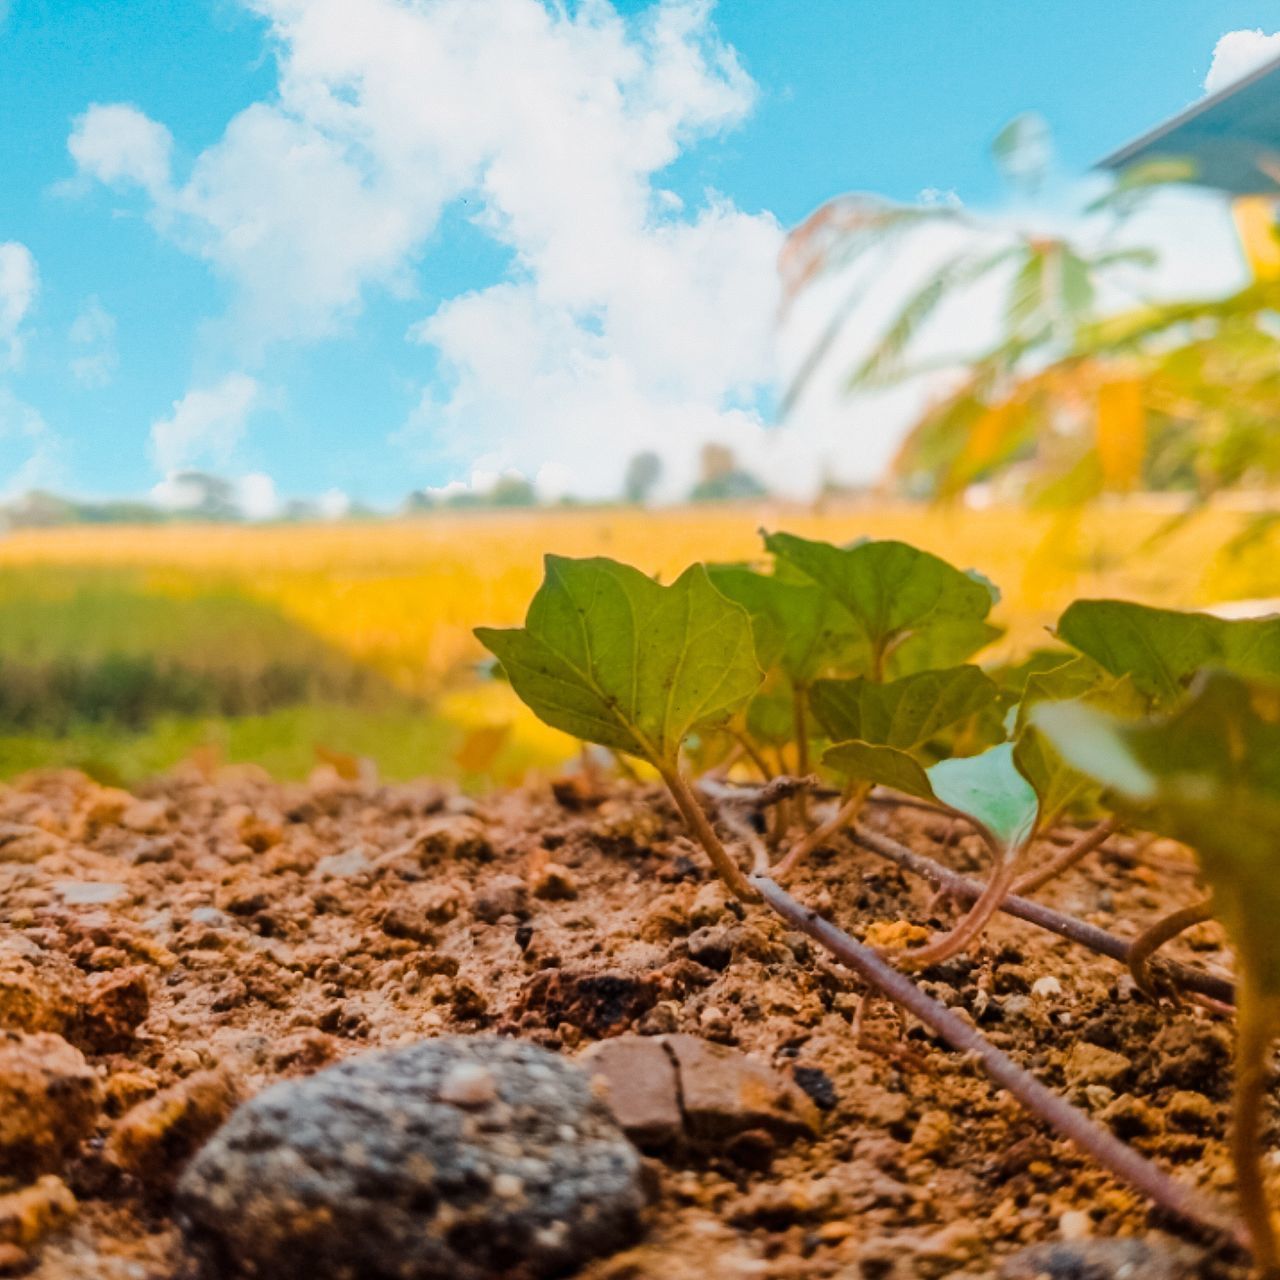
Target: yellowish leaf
1122, 432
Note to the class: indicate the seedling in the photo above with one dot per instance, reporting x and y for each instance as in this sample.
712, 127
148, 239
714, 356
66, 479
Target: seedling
867, 645
610, 656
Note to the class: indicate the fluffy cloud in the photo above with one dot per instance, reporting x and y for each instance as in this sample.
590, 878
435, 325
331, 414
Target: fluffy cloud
93, 337
29, 450
205, 425
626, 318
1237, 53
256, 496
19, 281
119, 144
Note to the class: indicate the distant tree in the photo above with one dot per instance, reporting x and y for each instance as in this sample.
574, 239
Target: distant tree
643, 473
512, 491
721, 479
418, 502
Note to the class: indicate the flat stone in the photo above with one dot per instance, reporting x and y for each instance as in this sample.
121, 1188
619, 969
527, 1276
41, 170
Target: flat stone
365, 1169
342, 866
638, 1077
49, 1098
89, 893
726, 1091
1101, 1260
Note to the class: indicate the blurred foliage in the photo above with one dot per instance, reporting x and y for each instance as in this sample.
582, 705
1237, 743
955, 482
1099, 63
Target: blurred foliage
1071, 400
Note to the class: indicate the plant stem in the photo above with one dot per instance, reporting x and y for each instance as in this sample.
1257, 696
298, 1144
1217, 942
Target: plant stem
1069, 1122
696, 819
967, 930
1068, 858
1254, 1027
798, 694
844, 815
753, 754
1151, 939
1087, 935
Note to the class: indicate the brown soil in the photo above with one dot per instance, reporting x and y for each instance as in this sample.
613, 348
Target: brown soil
255, 930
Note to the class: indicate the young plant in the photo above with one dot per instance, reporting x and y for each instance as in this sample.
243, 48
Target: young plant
1011, 793
1209, 775
612, 657
911, 610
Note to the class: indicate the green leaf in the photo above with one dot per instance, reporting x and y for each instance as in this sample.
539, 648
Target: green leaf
798, 627
884, 766
1207, 775
912, 610
771, 717
990, 788
1162, 649
1059, 786
986, 787
610, 656
904, 713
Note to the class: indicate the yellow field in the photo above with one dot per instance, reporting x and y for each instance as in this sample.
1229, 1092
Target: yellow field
401, 597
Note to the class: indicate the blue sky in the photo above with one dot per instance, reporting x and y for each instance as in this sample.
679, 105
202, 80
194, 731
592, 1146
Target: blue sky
278, 247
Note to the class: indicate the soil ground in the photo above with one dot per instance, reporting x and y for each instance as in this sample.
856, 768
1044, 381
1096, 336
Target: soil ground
277, 927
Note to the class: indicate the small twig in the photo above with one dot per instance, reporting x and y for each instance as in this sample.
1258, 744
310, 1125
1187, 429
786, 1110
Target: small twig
1071, 1123
1066, 859
1087, 935
1151, 939
773, 792
802, 748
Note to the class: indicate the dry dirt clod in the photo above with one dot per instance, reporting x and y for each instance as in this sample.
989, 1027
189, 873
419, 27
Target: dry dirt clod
49, 1099
502, 896
30, 1214
116, 1003
1092, 1064
366, 1169
155, 1138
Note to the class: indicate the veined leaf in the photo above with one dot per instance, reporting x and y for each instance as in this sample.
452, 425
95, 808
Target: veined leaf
1162, 649
610, 656
902, 713
1057, 784
913, 609
986, 787
798, 627
1208, 775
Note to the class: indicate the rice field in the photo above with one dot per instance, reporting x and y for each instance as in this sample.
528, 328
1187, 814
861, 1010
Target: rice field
369, 624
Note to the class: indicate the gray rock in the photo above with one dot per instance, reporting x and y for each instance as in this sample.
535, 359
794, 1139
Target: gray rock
1101, 1260
465, 1158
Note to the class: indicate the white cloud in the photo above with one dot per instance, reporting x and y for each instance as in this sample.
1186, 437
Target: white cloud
19, 283
206, 424
1237, 54
625, 317
117, 143
93, 335
256, 496
333, 504
30, 453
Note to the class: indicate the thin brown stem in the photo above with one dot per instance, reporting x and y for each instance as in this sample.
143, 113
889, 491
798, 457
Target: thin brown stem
1255, 1026
1151, 939
1066, 858
844, 815
967, 930
699, 825
1071, 1123
1087, 935
753, 754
